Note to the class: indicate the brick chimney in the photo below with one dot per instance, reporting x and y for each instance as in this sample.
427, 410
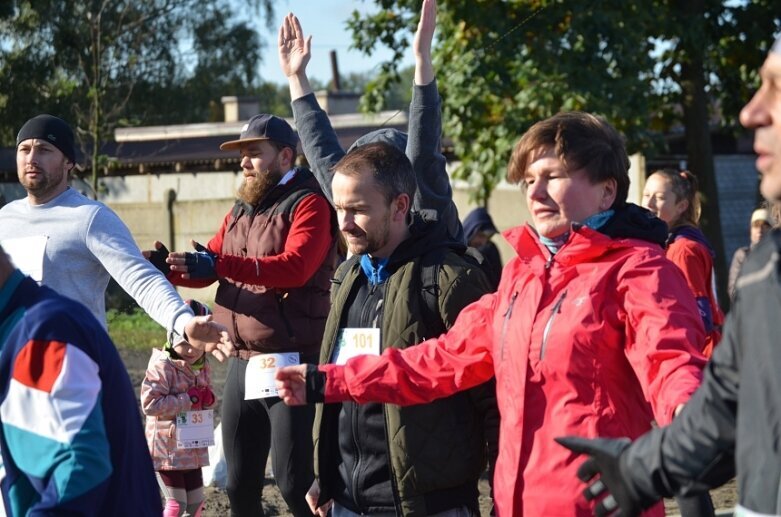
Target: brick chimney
239, 108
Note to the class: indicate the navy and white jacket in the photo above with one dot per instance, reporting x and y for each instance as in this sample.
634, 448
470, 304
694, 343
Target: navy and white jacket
71, 436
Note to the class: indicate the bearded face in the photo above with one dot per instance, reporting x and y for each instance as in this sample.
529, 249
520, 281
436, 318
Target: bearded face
260, 163
258, 183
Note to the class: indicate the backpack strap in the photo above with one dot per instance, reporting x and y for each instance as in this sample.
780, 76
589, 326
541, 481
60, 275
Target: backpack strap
341, 272
430, 267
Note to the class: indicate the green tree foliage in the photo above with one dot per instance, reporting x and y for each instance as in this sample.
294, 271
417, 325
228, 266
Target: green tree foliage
103, 63
649, 67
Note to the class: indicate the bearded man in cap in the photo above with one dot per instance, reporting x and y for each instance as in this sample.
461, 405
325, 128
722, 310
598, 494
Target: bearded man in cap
273, 256
74, 244
732, 424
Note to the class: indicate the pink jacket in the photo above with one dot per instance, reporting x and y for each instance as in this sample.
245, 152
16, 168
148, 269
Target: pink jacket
598, 341
163, 395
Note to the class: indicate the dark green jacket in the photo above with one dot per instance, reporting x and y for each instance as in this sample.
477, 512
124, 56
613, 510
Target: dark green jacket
432, 447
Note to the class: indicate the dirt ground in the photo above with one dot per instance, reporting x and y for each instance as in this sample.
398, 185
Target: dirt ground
217, 504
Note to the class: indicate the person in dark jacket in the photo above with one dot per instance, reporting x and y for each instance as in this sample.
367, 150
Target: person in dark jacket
382, 459
478, 230
732, 424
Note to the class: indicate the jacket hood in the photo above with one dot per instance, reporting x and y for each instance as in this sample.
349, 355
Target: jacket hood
478, 220
388, 135
635, 222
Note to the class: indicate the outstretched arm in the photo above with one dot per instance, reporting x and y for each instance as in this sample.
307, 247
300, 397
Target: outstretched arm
425, 129
318, 138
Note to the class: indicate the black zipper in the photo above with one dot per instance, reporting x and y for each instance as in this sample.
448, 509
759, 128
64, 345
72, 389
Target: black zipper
394, 488
546, 332
358, 457
507, 315
372, 317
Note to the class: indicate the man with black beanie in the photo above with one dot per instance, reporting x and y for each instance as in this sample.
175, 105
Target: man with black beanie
74, 244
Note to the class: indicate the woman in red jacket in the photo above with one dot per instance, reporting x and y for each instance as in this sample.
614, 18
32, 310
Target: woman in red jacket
591, 332
672, 197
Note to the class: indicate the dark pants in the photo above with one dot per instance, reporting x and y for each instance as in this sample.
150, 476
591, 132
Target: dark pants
698, 505
249, 429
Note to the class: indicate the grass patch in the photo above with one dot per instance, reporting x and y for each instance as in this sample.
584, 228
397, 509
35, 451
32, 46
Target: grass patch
134, 330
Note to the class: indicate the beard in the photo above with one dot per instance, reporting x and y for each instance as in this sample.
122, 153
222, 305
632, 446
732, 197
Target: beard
46, 182
372, 241
251, 192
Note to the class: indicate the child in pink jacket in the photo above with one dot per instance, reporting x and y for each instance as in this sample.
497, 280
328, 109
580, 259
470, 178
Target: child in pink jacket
177, 380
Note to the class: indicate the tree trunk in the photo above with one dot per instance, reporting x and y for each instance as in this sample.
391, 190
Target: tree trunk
700, 152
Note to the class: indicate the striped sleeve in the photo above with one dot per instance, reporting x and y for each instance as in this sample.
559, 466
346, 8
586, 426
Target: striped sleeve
53, 424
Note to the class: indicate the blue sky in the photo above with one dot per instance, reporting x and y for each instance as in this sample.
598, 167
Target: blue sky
325, 21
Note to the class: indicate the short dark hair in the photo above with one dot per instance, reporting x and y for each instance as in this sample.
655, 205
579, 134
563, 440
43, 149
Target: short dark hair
388, 166
581, 141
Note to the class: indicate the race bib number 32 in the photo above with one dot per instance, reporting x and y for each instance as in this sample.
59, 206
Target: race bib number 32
259, 379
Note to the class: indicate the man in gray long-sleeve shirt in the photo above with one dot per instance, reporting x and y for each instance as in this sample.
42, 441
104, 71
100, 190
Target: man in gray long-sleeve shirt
74, 244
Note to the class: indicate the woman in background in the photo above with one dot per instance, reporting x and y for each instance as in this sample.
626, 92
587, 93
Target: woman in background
672, 197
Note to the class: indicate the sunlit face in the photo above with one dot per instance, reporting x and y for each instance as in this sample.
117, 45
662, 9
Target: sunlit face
261, 164
365, 217
763, 114
557, 198
42, 169
659, 198
188, 353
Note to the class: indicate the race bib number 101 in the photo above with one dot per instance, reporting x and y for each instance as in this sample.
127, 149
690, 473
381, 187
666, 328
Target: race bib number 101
352, 342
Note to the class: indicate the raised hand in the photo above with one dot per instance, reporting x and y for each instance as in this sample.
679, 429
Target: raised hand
421, 46
294, 49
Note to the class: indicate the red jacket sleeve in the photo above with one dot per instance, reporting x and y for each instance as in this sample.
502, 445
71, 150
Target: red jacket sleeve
664, 333
457, 360
306, 247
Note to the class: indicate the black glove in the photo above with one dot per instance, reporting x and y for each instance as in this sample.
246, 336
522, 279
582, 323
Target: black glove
157, 258
201, 263
605, 460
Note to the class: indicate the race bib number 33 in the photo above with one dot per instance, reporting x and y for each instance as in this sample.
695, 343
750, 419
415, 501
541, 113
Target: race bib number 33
195, 429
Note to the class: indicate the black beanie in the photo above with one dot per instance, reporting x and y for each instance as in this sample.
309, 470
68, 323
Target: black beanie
52, 129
